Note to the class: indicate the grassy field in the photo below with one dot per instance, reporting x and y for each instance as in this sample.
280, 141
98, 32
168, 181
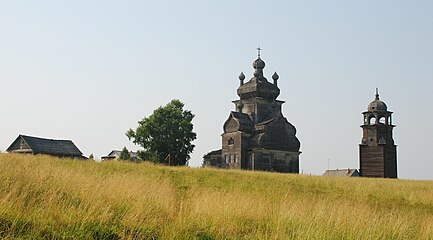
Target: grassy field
44, 197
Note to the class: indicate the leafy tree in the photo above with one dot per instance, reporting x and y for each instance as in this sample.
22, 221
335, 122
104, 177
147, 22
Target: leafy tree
124, 154
166, 135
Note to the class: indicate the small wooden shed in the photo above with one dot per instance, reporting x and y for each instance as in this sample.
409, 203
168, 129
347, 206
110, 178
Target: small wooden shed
348, 172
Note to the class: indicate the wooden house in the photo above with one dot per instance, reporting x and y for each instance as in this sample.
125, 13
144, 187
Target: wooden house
349, 172
212, 159
35, 145
115, 155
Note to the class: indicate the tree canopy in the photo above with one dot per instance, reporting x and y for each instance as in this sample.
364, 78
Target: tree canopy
124, 154
166, 136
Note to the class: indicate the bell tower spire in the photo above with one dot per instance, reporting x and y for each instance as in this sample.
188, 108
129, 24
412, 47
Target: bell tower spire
377, 94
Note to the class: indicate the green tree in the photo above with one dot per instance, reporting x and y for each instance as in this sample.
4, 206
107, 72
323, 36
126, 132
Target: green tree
124, 154
166, 136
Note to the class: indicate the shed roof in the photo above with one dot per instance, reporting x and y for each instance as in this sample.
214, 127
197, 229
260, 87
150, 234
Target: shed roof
49, 146
116, 153
214, 152
348, 172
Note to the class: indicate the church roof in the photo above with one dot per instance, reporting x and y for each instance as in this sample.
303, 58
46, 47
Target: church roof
271, 117
266, 121
377, 105
238, 122
258, 86
241, 117
276, 133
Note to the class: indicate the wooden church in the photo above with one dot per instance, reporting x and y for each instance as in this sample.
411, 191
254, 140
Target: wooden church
256, 134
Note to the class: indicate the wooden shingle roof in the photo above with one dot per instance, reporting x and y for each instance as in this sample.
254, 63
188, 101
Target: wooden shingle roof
47, 146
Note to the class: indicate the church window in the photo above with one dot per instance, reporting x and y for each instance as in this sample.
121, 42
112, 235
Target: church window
226, 159
236, 158
382, 120
231, 141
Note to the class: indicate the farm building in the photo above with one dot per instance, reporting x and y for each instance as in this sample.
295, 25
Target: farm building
115, 155
212, 159
35, 145
349, 172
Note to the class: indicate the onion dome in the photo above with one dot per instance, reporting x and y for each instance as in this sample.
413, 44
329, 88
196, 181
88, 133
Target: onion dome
258, 64
275, 76
377, 104
258, 86
241, 76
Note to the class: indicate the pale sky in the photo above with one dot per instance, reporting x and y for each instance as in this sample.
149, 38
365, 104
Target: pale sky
90, 70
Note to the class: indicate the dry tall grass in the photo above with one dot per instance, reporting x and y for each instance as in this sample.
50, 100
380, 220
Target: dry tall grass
45, 197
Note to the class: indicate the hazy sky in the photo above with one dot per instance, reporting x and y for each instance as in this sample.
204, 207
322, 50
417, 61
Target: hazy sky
89, 70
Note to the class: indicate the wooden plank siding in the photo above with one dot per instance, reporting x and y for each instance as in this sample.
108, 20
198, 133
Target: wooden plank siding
378, 161
372, 164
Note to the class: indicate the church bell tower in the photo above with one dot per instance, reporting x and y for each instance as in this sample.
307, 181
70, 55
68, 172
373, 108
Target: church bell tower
377, 151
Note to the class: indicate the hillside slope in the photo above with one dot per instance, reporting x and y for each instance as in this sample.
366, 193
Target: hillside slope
45, 197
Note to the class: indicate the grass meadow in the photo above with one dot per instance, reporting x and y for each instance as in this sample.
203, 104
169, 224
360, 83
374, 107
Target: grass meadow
46, 197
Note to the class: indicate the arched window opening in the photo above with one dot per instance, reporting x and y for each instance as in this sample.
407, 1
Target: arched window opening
382, 120
389, 120
372, 120
231, 141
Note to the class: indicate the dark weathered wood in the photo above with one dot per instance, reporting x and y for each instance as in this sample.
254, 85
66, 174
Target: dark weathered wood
377, 152
256, 135
36, 145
